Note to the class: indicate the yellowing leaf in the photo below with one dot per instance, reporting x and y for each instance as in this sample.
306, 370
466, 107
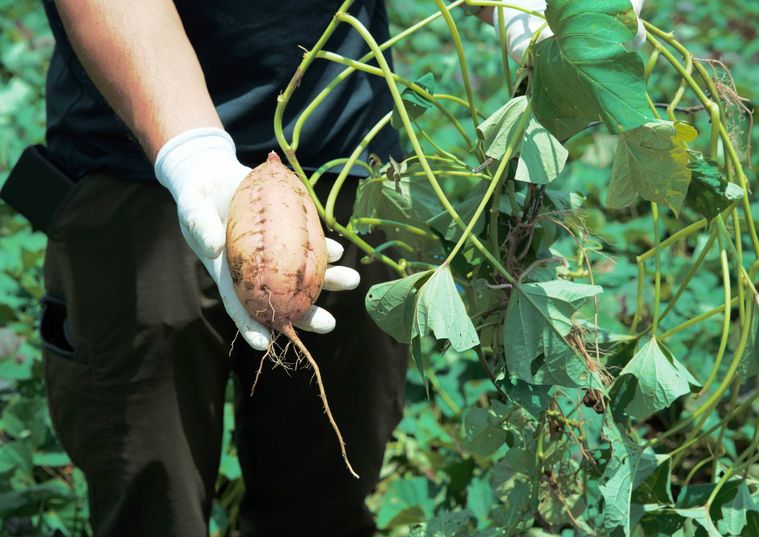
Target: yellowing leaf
652, 161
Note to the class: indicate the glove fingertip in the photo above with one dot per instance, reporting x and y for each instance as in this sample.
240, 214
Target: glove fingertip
340, 278
257, 339
334, 250
317, 320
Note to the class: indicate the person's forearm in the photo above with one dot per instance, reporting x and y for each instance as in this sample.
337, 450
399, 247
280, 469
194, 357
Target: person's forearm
140, 59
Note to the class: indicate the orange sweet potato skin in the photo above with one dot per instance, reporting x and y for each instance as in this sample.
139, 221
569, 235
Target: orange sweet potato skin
276, 249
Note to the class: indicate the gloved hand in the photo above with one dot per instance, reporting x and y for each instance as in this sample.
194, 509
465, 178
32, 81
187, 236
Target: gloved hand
520, 26
200, 169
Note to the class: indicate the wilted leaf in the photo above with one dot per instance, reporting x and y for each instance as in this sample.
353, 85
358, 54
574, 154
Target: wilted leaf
440, 310
499, 129
392, 305
581, 75
537, 317
541, 156
652, 161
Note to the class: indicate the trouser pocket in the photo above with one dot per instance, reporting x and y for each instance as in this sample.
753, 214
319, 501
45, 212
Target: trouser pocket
55, 332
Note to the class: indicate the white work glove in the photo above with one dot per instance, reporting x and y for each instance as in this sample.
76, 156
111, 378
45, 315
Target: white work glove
520, 26
200, 169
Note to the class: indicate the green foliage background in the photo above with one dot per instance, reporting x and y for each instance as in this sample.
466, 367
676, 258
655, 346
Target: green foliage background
428, 470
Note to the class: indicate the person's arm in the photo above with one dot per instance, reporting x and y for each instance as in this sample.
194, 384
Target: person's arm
141, 60
139, 57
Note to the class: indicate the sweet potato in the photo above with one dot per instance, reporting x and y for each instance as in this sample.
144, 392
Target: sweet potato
277, 255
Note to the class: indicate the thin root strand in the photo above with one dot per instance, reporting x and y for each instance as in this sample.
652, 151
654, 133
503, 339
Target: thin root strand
289, 331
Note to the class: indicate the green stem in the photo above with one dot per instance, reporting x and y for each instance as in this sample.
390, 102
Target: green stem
726, 318
736, 467
680, 90
369, 221
447, 399
347, 72
496, 3
713, 109
376, 71
708, 405
454, 31
329, 209
513, 146
685, 445
504, 42
697, 319
495, 245
691, 272
366, 35
441, 150
638, 299
669, 241
324, 168
657, 262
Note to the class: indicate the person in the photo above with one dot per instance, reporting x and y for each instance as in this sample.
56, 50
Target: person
158, 109
140, 314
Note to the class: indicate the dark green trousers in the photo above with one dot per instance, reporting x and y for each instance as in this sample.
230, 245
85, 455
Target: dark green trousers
136, 356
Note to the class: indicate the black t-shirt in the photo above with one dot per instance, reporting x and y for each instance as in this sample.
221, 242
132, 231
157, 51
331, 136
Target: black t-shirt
248, 52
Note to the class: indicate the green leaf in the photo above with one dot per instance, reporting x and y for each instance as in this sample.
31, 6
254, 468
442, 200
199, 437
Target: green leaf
515, 508
752, 524
26, 418
479, 499
532, 398
652, 161
704, 519
52, 459
558, 500
652, 484
415, 104
446, 524
538, 316
584, 73
709, 193
483, 431
620, 476
408, 501
499, 129
735, 511
405, 198
392, 305
658, 379
541, 156
444, 224
440, 310
30, 500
